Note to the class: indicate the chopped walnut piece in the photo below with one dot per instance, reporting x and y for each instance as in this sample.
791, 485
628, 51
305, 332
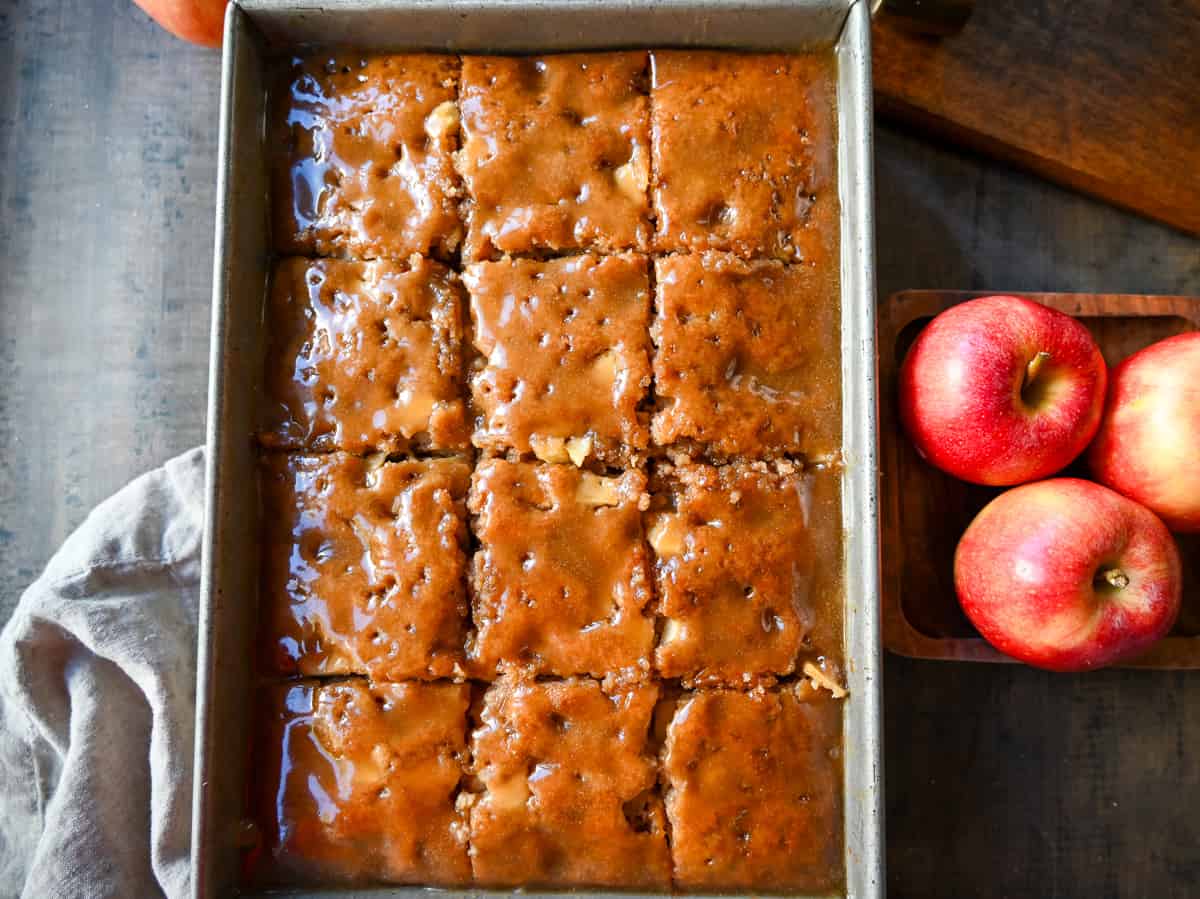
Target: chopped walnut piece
578, 449
822, 680
442, 121
666, 535
598, 491
549, 449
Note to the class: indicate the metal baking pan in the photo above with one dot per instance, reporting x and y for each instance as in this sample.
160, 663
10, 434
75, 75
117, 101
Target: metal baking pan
257, 28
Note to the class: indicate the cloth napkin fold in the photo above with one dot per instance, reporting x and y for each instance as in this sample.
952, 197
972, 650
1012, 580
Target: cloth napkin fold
97, 692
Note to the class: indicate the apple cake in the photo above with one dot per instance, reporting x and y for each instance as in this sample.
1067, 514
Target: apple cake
364, 356
359, 781
743, 155
565, 788
555, 153
561, 581
753, 789
563, 366
735, 567
746, 358
364, 157
364, 565
551, 574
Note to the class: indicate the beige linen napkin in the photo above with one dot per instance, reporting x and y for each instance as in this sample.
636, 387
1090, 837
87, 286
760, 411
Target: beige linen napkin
97, 685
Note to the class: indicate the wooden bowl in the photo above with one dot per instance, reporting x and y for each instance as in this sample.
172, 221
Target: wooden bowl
924, 511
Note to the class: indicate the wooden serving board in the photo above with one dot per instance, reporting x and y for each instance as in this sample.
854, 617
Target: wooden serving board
924, 511
1100, 95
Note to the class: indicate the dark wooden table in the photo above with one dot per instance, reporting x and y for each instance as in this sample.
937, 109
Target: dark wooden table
1001, 781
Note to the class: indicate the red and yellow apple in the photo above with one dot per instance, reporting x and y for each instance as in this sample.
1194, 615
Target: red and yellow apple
198, 21
1001, 390
1068, 575
1148, 445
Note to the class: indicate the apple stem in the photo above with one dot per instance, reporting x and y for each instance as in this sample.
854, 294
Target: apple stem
1035, 366
1031, 390
1115, 578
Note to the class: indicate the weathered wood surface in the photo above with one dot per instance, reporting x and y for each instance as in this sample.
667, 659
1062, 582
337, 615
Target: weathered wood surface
1002, 781
1101, 95
107, 171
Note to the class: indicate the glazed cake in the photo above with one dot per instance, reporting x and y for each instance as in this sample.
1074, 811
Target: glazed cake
550, 475
555, 153
743, 155
735, 565
747, 358
565, 788
360, 780
364, 152
563, 366
364, 565
364, 356
753, 789
561, 580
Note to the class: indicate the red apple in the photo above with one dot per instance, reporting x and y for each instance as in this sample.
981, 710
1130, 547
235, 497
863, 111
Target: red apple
1068, 575
1001, 390
1148, 446
199, 21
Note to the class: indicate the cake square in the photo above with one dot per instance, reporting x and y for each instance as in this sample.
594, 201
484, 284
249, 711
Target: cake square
364, 157
753, 790
357, 782
747, 359
555, 153
735, 566
564, 356
566, 788
364, 356
364, 565
744, 154
560, 581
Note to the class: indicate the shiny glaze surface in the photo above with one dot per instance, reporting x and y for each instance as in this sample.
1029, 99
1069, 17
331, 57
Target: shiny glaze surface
737, 571
744, 154
567, 767
364, 356
748, 357
753, 790
357, 782
363, 149
566, 777
564, 350
364, 565
561, 583
555, 153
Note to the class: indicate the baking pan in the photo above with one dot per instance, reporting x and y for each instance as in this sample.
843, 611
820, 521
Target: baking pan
925, 510
257, 29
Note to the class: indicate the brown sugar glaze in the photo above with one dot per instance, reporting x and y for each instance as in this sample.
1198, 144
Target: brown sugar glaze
669, 214
564, 355
555, 153
363, 157
364, 566
363, 783
744, 154
561, 583
747, 360
748, 565
753, 788
364, 356
564, 777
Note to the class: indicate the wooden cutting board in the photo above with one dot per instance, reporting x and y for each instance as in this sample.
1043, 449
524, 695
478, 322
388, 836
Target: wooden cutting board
1100, 95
